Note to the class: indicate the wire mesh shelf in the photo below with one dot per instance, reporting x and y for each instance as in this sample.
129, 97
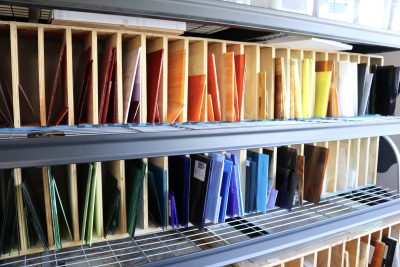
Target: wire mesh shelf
160, 245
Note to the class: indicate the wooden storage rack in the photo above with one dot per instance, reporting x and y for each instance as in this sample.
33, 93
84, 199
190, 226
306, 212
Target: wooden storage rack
30, 50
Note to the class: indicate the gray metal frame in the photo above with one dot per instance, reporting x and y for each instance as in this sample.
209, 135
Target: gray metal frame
262, 246
227, 13
132, 143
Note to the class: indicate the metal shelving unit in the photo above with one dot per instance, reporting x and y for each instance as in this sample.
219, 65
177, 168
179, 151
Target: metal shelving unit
240, 238
232, 241
91, 143
213, 11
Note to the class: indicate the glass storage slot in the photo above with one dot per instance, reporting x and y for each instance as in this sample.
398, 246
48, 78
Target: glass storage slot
6, 96
56, 81
28, 87
108, 46
83, 66
36, 214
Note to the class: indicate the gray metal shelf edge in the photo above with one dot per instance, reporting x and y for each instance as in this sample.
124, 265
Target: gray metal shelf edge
265, 245
113, 143
228, 13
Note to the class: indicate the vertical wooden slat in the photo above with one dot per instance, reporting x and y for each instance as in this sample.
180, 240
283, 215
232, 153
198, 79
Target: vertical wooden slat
15, 75
163, 101
373, 160
20, 209
118, 46
69, 81
42, 82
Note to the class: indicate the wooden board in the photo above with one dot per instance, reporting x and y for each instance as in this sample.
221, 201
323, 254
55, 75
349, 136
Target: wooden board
153, 45
343, 165
69, 81
373, 160
198, 66
312, 56
42, 83
262, 96
117, 169
284, 54
73, 203
267, 55
131, 64
353, 248
354, 163
219, 49
252, 97
15, 75
337, 256
324, 258
177, 77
